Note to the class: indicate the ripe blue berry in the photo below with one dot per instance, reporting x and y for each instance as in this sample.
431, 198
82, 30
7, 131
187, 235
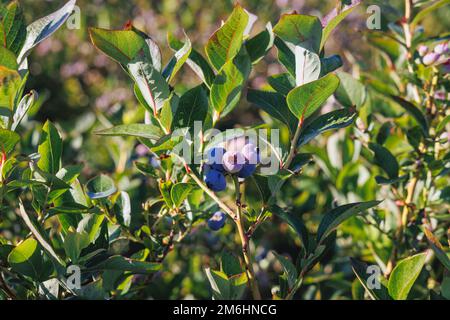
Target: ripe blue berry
236, 144
217, 221
430, 58
441, 48
251, 154
233, 161
215, 158
247, 170
215, 180
423, 50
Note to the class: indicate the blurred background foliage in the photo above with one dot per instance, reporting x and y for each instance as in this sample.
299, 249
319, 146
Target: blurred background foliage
81, 90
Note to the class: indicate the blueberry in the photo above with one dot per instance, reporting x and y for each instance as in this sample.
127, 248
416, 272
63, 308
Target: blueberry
430, 58
251, 154
441, 48
247, 170
423, 50
236, 144
233, 161
215, 158
215, 180
217, 221
155, 162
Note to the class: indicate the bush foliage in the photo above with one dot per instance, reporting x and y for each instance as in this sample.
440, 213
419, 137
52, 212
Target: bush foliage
338, 188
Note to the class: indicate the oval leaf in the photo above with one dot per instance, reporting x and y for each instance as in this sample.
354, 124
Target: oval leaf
226, 42
336, 216
100, 187
306, 99
404, 275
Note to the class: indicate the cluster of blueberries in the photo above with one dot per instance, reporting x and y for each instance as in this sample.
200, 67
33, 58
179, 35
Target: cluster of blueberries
239, 157
437, 56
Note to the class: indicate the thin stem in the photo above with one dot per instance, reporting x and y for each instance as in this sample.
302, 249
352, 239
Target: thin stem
212, 195
409, 198
403, 223
293, 150
297, 285
245, 244
6, 288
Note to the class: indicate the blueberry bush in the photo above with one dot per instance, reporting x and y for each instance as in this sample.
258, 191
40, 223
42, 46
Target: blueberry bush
338, 187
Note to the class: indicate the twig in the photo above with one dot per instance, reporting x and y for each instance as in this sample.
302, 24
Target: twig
212, 195
6, 288
245, 244
293, 149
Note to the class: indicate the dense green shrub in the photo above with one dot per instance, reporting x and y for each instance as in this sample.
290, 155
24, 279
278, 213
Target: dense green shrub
339, 165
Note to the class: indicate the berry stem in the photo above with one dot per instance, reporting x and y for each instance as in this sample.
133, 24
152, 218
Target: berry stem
294, 140
211, 194
245, 244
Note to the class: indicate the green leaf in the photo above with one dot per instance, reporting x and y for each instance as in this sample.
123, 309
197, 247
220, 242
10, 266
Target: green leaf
69, 174
43, 28
13, 30
385, 160
299, 161
139, 130
441, 126
388, 45
122, 208
229, 83
427, 10
166, 189
351, 92
282, 83
8, 140
100, 187
220, 285
229, 264
196, 62
71, 208
152, 85
10, 81
437, 248
307, 66
414, 111
40, 236
336, 216
8, 59
305, 100
179, 193
335, 19
258, 46
330, 64
288, 268
275, 105
286, 55
50, 149
360, 269
168, 112
193, 106
404, 275
336, 119
120, 45
91, 224
74, 243
22, 109
178, 60
119, 263
300, 30
226, 42
146, 169
27, 259
295, 222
